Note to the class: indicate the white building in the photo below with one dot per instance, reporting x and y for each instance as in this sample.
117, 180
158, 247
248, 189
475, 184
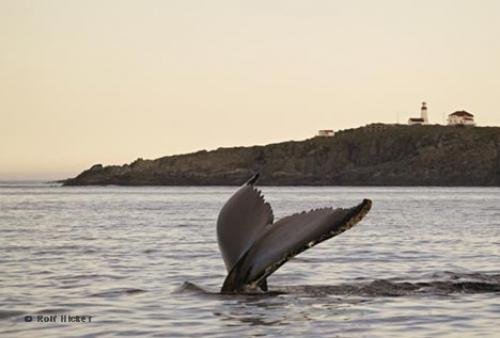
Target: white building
461, 118
326, 133
423, 119
412, 121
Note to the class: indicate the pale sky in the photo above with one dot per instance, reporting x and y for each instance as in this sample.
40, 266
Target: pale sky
85, 82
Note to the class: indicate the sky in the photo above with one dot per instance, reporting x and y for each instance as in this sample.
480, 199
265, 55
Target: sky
108, 81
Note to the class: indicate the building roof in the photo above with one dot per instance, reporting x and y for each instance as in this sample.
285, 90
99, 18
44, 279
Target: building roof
461, 113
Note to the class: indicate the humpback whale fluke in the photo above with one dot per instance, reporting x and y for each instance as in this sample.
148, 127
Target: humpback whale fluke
253, 246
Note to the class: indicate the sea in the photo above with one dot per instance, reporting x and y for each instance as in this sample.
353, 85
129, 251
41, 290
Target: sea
144, 262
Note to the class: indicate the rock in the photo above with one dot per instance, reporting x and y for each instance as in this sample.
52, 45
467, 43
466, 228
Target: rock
373, 155
96, 167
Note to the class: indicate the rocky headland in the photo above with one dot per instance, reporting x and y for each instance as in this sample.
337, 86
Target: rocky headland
374, 155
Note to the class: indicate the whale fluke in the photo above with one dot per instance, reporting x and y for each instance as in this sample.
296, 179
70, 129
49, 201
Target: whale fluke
253, 247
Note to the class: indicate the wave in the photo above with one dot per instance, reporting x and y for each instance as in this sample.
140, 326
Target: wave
117, 292
442, 283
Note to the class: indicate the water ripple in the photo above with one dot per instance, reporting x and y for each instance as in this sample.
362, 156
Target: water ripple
424, 263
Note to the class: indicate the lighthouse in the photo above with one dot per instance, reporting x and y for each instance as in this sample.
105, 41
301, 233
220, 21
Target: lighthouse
423, 113
423, 119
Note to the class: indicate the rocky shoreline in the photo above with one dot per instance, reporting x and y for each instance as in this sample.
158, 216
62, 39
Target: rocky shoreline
374, 155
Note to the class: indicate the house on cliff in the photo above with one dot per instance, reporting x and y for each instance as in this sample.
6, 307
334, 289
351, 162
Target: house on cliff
325, 133
461, 118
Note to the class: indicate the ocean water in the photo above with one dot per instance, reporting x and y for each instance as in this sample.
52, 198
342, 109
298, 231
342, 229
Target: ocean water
144, 261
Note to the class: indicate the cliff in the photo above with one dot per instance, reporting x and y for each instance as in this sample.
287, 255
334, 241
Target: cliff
373, 155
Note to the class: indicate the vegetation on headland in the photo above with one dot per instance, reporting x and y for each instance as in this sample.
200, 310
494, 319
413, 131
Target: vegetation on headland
374, 155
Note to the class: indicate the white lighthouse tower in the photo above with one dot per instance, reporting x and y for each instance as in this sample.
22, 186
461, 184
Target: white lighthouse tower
423, 113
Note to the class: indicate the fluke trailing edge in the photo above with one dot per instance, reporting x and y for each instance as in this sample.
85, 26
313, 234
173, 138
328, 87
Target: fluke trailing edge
254, 246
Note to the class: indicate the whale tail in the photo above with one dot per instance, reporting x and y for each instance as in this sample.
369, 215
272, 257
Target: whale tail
254, 246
